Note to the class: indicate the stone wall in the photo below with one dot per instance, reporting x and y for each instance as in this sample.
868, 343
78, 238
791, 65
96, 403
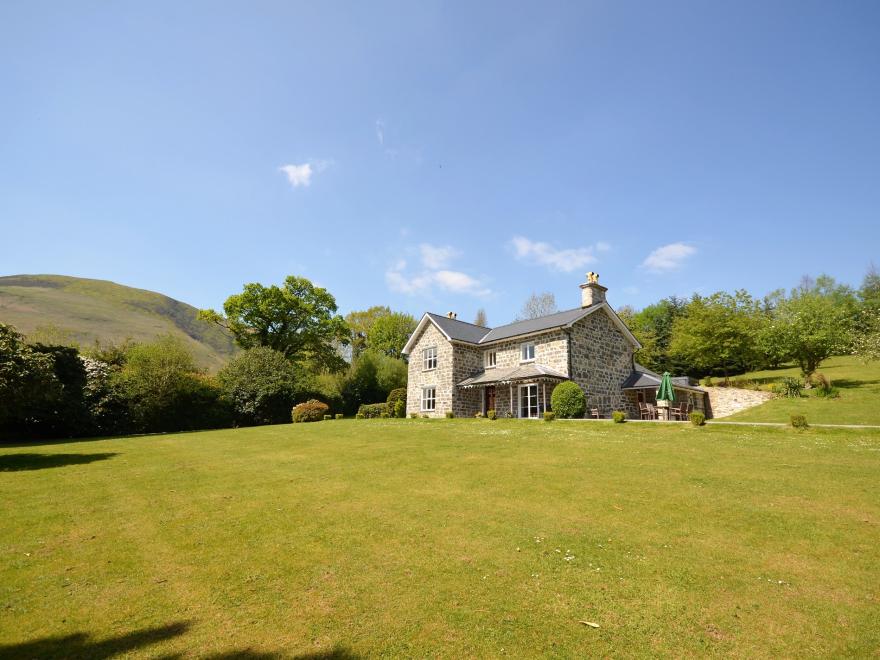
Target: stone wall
441, 377
551, 350
601, 360
467, 361
724, 401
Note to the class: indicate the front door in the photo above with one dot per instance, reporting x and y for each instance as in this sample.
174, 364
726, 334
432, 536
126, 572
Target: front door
490, 399
528, 401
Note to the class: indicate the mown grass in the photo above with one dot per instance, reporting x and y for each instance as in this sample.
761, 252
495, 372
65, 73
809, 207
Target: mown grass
859, 401
449, 538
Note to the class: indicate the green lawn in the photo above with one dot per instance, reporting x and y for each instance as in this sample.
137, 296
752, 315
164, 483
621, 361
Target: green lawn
859, 401
451, 538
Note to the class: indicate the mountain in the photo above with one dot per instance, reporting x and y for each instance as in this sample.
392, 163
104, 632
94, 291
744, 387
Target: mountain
85, 310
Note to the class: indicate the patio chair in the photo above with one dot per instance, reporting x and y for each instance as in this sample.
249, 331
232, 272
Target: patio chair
652, 411
679, 413
594, 413
644, 413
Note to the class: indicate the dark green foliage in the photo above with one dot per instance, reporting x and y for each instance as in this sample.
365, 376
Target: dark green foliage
568, 400
390, 333
359, 416
373, 410
618, 416
449, 414
24, 375
384, 415
788, 387
310, 411
549, 416
261, 385
339, 416
414, 415
371, 378
400, 409
697, 418
491, 414
297, 319
397, 394
799, 421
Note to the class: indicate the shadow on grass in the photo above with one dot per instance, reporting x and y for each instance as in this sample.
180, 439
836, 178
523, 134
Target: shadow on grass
82, 645
22, 462
336, 653
847, 383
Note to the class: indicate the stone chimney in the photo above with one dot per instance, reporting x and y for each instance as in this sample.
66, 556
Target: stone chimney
592, 293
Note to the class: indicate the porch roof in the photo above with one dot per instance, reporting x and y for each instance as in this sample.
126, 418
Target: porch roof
643, 378
498, 376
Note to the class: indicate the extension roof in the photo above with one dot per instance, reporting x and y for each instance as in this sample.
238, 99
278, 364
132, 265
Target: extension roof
642, 377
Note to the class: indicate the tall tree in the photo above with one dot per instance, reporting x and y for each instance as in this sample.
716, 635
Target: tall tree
480, 318
390, 333
537, 305
360, 323
652, 326
297, 319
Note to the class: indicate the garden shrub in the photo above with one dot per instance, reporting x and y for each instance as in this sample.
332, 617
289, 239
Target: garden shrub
823, 386
568, 400
396, 395
339, 416
799, 421
373, 410
478, 415
384, 415
310, 411
549, 416
359, 416
707, 381
618, 416
449, 414
697, 418
414, 415
491, 414
788, 387
426, 416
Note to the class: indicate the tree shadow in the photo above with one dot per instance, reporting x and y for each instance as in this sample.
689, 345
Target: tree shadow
22, 462
83, 645
336, 653
847, 383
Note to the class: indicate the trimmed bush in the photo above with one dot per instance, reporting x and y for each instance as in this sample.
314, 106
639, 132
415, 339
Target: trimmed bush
799, 421
491, 414
359, 416
568, 400
373, 410
310, 411
414, 415
618, 416
394, 396
697, 418
449, 414
328, 417
384, 415
707, 381
788, 387
339, 415
549, 416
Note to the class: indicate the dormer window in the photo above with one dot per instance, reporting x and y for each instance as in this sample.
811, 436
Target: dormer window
527, 352
429, 358
490, 359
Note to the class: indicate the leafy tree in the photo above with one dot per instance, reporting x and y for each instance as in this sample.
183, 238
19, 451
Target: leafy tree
652, 326
25, 375
390, 333
716, 333
370, 379
816, 322
480, 318
360, 323
538, 305
866, 343
297, 319
261, 385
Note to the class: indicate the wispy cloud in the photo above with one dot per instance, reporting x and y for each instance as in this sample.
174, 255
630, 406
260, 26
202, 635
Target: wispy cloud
434, 273
564, 259
301, 175
380, 132
668, 257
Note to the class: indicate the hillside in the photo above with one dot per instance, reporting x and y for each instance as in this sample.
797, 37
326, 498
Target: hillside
86, 310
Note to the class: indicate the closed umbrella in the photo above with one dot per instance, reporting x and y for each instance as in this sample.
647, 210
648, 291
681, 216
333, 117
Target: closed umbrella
666, 391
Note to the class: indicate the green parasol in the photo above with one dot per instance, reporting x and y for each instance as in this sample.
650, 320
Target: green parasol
666, 392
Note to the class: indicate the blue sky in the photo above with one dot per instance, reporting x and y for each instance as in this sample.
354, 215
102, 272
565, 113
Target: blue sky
441, 156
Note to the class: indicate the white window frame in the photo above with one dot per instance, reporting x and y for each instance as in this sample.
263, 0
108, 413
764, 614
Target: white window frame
426, 400
428, 359
490, 359
523, 351
537, 400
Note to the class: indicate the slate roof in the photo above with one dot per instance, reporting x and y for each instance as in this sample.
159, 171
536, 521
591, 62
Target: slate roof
476, 334
459, 330
644, 377
522, 372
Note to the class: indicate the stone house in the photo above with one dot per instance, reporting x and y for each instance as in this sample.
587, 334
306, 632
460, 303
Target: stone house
512, 369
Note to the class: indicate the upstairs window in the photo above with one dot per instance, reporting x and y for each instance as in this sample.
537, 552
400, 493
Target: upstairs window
429, 358
490, 359
429, 398
527, 352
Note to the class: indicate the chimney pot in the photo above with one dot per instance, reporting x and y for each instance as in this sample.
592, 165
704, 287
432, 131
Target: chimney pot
592, 293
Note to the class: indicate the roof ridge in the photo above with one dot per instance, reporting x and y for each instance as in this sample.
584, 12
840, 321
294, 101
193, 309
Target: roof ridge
538, 318
443, 316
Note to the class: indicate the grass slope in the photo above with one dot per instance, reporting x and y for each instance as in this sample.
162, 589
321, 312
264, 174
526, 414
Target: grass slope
97, 309
449, 538
859, 386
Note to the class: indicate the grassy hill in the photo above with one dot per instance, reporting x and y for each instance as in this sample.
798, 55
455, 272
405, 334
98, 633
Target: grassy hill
85, 310
858, 383
446, 539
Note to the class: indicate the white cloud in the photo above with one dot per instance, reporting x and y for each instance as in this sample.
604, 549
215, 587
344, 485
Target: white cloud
380, 132
602, 246
434, 276
564, 259
668, 257
301, 175
437, 256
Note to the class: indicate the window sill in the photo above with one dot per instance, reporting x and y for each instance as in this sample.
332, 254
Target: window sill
427, 370
527, 361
